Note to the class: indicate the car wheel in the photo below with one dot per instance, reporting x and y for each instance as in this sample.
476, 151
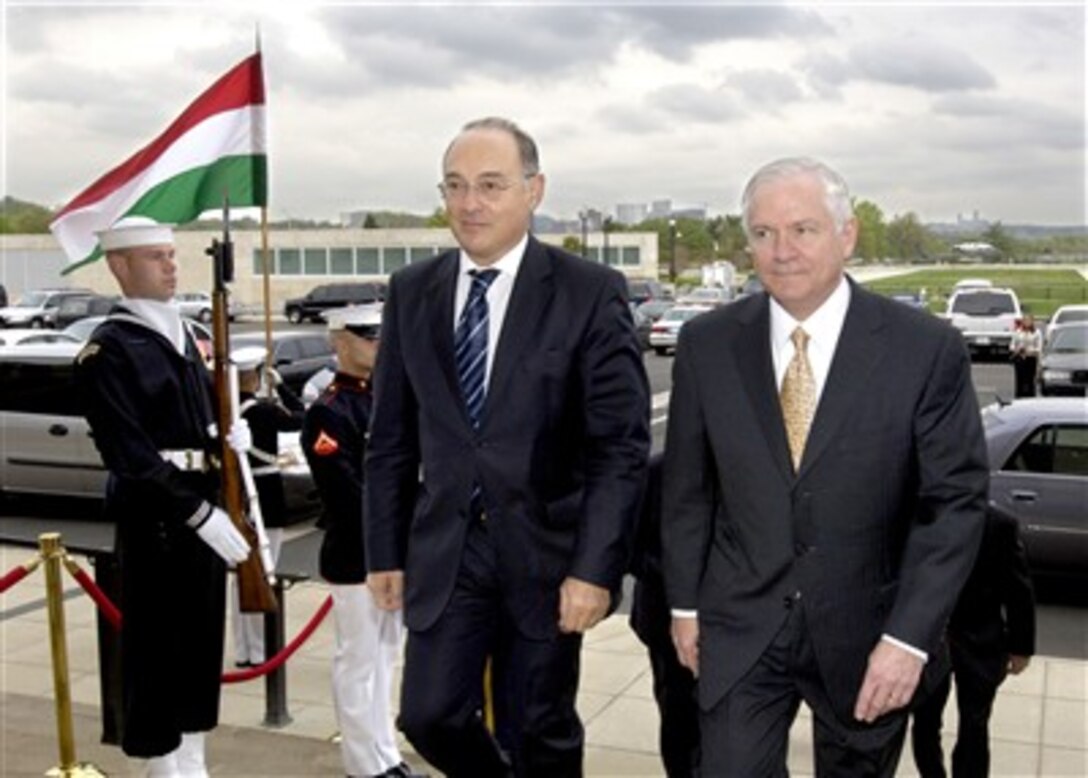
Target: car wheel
660, 351
36, 324
294, 316
205, 315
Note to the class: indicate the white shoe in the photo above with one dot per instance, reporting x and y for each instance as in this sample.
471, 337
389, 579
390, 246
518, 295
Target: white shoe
190, 756
163, 766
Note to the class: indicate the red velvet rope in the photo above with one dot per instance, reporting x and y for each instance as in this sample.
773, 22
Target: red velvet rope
13, 577
109, 610
271, 664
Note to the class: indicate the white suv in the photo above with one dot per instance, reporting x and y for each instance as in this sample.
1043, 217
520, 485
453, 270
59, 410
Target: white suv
987, 318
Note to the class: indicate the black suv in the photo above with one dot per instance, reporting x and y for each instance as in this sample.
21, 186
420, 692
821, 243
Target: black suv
322, 298
639, 290
295, 355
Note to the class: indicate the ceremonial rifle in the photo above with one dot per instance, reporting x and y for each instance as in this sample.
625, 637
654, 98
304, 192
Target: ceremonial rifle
255, 595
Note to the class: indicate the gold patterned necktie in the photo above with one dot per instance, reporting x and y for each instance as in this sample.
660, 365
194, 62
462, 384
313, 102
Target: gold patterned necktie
798, 397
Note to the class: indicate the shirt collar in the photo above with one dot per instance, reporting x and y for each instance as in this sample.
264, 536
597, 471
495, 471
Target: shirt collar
507, 265
823, 325
162, 316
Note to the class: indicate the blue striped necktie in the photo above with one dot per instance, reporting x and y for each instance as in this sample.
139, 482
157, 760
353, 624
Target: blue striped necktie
470, 344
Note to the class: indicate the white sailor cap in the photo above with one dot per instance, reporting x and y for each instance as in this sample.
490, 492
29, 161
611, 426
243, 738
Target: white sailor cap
248, 357
132, 231
362, 320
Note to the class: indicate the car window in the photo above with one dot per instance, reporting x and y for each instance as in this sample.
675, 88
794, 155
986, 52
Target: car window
1069, 340
983, 304
1058, 449
1066, 317
288, 350
314, 347
37, 388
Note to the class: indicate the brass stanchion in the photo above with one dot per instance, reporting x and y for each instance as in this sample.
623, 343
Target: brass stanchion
52, 552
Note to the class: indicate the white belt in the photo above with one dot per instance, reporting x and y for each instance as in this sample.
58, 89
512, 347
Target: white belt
186, 459
265, 470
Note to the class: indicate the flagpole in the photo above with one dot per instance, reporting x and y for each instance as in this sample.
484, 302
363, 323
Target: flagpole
267, 287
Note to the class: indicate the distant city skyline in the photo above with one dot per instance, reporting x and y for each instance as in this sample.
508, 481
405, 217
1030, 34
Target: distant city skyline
925, 108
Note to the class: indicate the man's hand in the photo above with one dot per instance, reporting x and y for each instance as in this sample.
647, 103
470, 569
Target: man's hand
387, 589
219, 532
240, 438
581, 605
1018, 664
890, 681
685, 638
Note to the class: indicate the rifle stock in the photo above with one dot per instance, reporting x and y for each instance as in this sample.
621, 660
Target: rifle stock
254, 593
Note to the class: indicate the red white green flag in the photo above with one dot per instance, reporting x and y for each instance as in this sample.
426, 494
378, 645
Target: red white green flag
216, 147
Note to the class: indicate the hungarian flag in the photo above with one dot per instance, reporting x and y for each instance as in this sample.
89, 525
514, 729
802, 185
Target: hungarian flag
216, 147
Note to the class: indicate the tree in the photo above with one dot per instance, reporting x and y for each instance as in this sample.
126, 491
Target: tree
1001, 240
439, 218
572, 244
872, 234
370, 223
909, 240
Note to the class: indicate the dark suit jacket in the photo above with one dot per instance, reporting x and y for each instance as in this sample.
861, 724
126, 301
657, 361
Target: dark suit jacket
561, 449
878, 530
995, 615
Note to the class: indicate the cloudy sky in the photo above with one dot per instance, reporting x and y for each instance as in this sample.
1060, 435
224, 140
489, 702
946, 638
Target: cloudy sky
923, 107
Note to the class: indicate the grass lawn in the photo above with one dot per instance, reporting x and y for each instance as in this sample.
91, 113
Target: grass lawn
1040, 291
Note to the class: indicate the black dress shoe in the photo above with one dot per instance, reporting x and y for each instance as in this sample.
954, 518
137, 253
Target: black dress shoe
244, 665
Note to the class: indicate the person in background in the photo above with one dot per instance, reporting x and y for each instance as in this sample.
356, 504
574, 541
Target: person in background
267, 418
368, 638
674, 684
149, 401
505, 468
824, 495
1027, 344
991, 634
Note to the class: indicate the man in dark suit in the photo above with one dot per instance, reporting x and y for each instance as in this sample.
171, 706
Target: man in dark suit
506, 461
991, 633
824, 494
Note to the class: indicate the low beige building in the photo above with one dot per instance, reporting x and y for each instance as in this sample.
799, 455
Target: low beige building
299, 260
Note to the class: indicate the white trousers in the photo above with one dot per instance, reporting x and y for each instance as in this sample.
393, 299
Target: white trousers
368, 641
248, 628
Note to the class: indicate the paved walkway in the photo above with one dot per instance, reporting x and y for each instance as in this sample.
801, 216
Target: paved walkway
1039, 726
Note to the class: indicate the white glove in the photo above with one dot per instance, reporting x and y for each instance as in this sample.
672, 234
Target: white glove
219, 532
273, 377
240, 438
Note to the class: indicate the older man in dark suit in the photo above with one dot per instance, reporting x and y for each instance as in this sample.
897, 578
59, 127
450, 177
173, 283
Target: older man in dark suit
824, 495
506, 461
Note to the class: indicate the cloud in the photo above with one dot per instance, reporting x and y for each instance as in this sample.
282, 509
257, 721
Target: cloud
693, 102
925, 65
769, 88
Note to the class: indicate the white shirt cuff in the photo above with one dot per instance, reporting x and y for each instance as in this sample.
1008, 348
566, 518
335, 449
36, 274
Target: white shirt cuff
906, 647
682, 613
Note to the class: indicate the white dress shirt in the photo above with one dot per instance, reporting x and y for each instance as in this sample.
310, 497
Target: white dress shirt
163, 317
498, 295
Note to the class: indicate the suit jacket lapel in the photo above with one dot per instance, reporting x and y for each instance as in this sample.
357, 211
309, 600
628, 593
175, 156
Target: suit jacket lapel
530, 297
756, 368
856, 355
440, 294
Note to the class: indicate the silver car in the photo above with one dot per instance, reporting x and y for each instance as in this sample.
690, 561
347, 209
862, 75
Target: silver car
665, 331
45, 442
1063, 366
1038, 451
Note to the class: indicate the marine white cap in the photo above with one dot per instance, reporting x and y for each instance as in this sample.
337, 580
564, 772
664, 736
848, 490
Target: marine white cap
132, 231
248, 357
363, 320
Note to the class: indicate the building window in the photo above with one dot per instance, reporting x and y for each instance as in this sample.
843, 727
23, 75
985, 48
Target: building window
290, 262
419, 254
394, 259
612, 256
367, 262
631, 255
258, 262
593, 253
341, 262
316, 262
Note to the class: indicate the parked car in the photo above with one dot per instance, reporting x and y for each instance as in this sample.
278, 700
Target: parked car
76, 307
706, 295
28, 337
973, 283
986, 317
48, 448
1038, 450
296, 354
1067, 314
666, 330
36, 308
639, 290
322, 298
910, 299
3, 296
751, 285
1063, 366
